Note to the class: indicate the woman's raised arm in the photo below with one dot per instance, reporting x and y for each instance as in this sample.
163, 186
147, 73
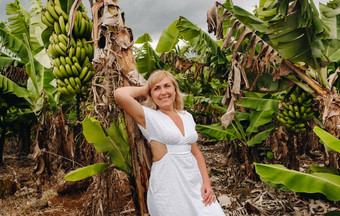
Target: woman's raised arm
125, 97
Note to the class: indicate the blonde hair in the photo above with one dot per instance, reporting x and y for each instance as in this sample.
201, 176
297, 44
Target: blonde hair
155, 78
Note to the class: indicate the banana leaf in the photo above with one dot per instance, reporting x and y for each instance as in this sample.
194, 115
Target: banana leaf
258, 138
147, 60
331, 143
85, 172
7, 86
218, 132
14, 44
330, 15
168, 39
325, 183
110, 141
259, 104
259, 118
193, 34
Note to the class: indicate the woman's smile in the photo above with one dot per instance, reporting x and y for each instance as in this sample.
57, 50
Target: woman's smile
163, 94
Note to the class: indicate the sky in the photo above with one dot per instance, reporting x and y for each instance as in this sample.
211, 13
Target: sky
153, 16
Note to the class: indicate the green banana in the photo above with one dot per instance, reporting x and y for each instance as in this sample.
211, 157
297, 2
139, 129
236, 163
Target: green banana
74, 59
82, 27
293, 98
62, 24
88, 76
297, 114
58, 49
75, 71
78, 89
68, 60
71, 90
291, 114
86, 61
73, 42
63, 70
57, 29
51, 10
56, 72
78, 81
56, 62
63, 60
60, 83
48, 16
68, 70
60, 12
78, 51
84, 71
67, 81
62, 39
45, 21
67, 28
63, 47
55, 38
82, 54
77, 65
72, 82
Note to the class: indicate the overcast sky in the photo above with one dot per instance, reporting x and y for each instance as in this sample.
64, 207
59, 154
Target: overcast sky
153, 16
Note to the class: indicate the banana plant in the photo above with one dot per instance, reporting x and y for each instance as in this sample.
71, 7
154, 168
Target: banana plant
322, 179
146, 58
250, 128
21, 41
112, 141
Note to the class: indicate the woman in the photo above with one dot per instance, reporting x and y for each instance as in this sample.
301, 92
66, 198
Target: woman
179, 181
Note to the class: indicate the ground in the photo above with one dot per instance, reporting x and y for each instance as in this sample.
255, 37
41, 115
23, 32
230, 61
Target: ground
27, 196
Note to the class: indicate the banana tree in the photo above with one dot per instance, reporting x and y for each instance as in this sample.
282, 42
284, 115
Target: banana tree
22, 43
283, 34
24, 54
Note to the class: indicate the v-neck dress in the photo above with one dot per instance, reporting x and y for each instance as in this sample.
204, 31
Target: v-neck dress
175, 181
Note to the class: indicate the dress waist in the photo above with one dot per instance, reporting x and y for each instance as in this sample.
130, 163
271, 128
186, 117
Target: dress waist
178, 149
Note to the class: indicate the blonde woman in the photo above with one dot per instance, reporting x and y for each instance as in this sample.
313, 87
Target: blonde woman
179, 181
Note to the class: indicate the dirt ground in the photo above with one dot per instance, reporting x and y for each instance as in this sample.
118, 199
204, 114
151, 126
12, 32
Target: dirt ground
27, 196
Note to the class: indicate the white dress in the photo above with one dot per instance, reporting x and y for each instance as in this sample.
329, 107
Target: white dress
175, 182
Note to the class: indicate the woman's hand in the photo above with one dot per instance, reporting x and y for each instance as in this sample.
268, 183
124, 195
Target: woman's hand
208, 194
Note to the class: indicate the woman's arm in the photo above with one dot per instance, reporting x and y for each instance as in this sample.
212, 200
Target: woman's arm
125, 97
206, 190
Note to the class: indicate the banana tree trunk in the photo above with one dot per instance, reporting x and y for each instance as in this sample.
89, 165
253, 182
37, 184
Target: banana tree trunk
115, 67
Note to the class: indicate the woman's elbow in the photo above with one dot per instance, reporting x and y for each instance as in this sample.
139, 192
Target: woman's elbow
117, 94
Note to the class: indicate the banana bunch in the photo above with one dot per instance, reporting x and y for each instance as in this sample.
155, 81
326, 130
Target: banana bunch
52, 13
82, 26
297, 111
71, 65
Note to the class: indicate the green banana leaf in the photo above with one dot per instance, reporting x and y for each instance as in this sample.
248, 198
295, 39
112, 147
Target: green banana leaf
7, 86
257, 119
193, 34
14, 44
168, 39
5, 61
259, 104
110, 141
325, 183
258, 138
330, 15
296, 32
85, 172
147, 60
331, 143
331, 170
217, 132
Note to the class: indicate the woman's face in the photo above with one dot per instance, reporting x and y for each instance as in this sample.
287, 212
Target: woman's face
163, 93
